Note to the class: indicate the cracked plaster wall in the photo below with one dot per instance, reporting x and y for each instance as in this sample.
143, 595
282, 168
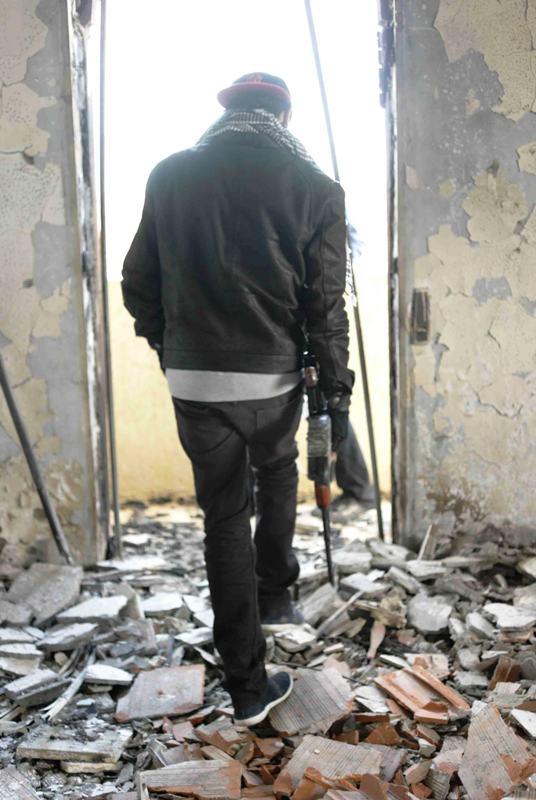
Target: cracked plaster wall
42, 337
466, 103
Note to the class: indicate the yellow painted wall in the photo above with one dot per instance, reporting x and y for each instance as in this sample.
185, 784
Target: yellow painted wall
151, 461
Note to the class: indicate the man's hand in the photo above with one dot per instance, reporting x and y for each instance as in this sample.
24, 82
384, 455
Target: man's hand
338, 409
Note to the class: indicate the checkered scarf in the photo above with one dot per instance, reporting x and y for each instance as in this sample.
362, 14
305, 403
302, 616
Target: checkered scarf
260, 121
257, 121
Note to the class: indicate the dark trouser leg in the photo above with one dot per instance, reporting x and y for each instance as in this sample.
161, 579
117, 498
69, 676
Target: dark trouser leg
351, 471
273, 453
219, 458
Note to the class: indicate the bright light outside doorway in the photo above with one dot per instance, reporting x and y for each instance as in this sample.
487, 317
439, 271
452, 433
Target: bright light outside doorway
166, 61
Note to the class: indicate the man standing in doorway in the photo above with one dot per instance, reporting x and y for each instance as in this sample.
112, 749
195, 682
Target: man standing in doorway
240, 255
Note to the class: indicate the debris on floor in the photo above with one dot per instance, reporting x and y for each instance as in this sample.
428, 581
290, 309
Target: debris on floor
414, 678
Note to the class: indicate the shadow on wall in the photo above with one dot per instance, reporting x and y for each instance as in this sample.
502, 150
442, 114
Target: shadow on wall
151, 461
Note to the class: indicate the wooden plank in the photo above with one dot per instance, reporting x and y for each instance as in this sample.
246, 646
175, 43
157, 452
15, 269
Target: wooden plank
204, 780
163, 692
59, 743
316, 702
331, 758
495, 759
14, 786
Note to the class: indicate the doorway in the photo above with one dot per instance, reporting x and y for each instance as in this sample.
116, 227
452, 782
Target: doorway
165, 63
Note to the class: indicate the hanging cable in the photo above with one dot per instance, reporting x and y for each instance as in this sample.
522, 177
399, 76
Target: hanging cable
357, 318
118, 546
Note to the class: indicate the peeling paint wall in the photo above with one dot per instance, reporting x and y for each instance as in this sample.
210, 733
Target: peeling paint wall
42, 338
466, 103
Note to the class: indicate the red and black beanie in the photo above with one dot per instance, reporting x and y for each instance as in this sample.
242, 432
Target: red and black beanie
257, 88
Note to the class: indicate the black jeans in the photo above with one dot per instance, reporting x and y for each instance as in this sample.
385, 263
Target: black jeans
351, 471
221, 440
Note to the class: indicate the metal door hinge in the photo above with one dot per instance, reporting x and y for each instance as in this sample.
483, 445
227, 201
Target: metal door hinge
420, 316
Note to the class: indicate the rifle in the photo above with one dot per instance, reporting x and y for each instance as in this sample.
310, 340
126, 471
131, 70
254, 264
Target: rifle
319, 455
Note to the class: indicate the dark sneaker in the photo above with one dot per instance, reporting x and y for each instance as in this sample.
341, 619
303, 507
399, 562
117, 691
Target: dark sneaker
345, 507
276, 619
278, 688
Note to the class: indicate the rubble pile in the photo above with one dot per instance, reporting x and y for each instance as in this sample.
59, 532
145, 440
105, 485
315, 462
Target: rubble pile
414, 678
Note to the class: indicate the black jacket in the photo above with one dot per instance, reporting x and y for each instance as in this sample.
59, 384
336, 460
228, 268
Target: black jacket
240, 252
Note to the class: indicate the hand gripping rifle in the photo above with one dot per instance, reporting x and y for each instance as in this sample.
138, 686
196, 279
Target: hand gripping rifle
319, 451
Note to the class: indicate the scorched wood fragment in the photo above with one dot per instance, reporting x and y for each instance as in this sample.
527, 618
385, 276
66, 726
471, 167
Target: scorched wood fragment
166, 691
495, 759
316, 702
203, 780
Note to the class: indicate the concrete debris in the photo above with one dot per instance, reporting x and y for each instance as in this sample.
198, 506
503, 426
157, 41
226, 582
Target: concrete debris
510, 618
425, 570
163, 603
479, 625
295, 640
405, 581
14, 613
350, 561
107, 675
14, 689
526, 721
14, 786
9, 635
20, 650
58, 743
167, 691
135, 564
96, 609
414, 676
319, 604
46, 589
429, 614
528, 566
15, 665
68, 637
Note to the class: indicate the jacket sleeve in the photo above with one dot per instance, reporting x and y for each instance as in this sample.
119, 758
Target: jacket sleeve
142, 284
326, 318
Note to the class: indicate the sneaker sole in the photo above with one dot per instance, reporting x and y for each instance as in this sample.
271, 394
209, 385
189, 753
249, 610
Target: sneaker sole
250, 721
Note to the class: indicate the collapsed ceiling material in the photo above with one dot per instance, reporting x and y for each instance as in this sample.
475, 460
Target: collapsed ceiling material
414, 678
